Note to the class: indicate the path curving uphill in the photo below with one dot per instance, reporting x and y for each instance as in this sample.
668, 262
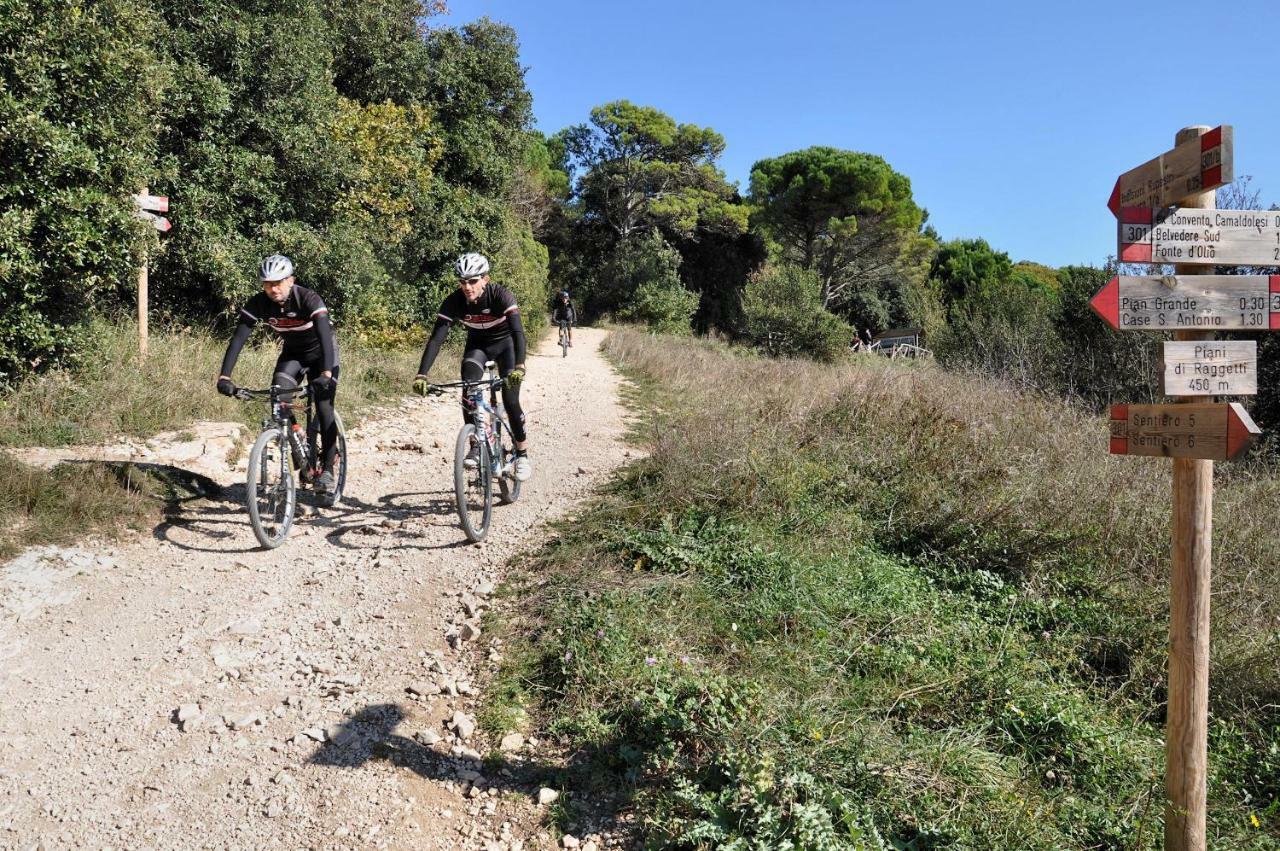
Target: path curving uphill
188, 690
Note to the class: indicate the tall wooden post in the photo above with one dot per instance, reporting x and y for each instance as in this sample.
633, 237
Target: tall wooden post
143, 297
1187, 732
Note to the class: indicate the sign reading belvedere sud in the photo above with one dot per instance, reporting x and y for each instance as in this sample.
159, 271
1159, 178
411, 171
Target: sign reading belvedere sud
1205, 237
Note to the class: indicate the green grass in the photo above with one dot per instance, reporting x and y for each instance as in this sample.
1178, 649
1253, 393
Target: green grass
116, 394
872, 607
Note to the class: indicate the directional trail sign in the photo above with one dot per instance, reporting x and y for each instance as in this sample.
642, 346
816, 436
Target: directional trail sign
1207, 237
1190, 302
1197, 165
1210, 367
1205, 430
157, 203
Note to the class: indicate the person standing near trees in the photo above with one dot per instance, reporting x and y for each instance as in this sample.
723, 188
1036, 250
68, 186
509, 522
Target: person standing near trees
494, 333
299, 316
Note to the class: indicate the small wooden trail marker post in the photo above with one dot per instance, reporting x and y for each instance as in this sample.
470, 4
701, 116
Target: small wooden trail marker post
1166, 213
146, 202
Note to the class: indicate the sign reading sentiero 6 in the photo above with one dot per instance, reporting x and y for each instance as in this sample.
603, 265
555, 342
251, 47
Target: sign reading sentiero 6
1190, 302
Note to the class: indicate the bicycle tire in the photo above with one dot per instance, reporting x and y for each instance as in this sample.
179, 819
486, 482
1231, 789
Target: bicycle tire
339, 466
270, 486
564, 344
508, 484
473, 489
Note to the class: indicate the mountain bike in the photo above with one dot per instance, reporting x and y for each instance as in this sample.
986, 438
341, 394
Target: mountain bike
564, 339
490, 439
283, 453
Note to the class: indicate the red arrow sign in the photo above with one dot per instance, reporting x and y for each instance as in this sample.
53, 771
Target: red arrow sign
1190, 303
1196, 165
158, 203
161, 223
1208, 431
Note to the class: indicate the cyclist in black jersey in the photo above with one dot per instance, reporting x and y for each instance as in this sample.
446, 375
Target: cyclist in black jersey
564, 312
298, 315
492, 318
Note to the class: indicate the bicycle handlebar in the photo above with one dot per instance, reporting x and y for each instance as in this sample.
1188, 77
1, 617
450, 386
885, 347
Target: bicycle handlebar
438, 389
247, 393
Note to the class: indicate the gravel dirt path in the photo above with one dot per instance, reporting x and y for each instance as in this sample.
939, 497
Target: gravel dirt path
187, 690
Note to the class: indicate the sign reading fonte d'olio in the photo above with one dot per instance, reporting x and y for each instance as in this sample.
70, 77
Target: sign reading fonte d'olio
1208, 431
1197, 165
1207, 237
1190, 302
1210, 367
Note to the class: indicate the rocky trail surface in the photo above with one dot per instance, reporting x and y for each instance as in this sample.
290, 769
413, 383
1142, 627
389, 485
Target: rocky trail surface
189, 690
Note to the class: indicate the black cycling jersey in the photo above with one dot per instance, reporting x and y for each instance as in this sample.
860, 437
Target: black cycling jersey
564, 313
302, 323
491, 318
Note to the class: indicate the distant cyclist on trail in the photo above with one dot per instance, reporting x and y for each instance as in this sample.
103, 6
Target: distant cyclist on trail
299, 317
564, 314
492, 318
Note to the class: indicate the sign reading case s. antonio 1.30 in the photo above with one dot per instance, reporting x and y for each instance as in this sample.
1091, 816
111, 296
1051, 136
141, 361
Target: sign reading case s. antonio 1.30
1190, 302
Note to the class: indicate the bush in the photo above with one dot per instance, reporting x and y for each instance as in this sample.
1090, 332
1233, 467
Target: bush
644, 279
784, 315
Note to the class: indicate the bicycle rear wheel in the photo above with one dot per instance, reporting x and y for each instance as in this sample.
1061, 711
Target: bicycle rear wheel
473, 489
508, 484
270, 491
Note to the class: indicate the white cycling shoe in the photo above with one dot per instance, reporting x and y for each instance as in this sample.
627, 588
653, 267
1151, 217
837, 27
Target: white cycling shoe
524, 468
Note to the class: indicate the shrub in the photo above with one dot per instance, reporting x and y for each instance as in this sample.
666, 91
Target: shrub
784, 314
644, 279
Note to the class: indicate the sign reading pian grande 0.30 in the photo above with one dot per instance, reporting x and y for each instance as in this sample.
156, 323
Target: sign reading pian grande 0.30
1190, 302
1210, 367
1197, 165
1205, 237
1207, 431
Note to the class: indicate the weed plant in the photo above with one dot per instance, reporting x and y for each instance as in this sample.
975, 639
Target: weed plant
874, 606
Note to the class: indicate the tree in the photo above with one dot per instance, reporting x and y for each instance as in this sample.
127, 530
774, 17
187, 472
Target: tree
636, 168
78, 96
965, 266
847, 216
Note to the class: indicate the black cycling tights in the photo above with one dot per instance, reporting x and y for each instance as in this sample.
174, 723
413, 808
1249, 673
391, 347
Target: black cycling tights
288, 371
503, 353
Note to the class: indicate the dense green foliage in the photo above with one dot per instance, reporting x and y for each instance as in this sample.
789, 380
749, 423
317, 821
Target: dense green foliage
784, 315
369, 148
77, 131
866, 607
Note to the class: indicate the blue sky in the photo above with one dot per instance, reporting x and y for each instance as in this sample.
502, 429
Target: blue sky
1012, 119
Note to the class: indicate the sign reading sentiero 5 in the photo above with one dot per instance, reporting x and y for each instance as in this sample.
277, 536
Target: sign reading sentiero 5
1190, 302
1207, 431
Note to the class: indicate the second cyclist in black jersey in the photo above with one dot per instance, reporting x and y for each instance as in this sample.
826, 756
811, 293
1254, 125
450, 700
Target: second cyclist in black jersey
299, 316
492, 318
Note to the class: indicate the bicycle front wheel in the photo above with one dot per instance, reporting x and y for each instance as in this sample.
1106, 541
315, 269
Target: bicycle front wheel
339, 465
473, 488
270, 491
564, 344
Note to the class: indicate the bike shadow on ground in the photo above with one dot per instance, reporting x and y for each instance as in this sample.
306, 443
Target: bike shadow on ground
390, 523
598, 800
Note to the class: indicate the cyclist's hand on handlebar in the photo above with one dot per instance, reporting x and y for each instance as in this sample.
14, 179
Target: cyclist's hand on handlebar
420, 385
322, 382
515, 377
225, 387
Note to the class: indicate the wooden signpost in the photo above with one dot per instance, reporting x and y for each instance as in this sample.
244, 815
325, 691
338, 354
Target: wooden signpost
146, 203
1166, 212
1210, 367
1204, 430
1209, 237
1197, 164
1190, 302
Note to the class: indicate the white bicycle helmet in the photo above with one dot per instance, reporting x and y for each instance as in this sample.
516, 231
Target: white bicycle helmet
277, 267
471, 266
